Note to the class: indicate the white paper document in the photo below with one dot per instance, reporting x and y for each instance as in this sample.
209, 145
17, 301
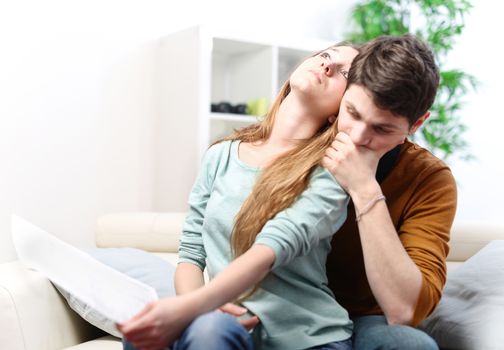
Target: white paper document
112, 293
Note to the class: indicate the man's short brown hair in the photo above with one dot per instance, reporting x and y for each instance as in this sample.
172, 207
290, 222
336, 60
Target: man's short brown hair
399, 72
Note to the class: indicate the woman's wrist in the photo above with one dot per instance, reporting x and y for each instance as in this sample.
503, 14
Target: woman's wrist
193, 304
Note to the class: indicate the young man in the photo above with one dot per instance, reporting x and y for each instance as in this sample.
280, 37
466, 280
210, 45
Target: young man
387, 266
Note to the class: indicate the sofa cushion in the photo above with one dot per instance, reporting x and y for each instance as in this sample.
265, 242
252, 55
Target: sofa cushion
470, 314
135, 263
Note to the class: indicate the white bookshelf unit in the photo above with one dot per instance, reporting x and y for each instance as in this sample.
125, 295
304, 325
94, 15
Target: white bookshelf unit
197, 68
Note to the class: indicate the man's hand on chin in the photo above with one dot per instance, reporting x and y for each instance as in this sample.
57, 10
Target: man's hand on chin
354, 167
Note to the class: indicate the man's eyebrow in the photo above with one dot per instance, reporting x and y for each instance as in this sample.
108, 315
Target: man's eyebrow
351, 107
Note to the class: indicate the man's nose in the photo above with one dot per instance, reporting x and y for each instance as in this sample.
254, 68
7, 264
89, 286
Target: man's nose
360, 136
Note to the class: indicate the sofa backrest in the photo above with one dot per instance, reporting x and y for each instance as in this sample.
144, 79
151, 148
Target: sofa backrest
467, 238
153, 232
160, 233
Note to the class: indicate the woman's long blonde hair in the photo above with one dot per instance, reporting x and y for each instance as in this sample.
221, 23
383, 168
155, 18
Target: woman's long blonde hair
281, 182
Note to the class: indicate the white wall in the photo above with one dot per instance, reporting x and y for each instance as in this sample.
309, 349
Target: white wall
78, 100
480, 182
77, 109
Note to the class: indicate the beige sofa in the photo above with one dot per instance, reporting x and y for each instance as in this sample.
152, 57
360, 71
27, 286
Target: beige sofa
33, 315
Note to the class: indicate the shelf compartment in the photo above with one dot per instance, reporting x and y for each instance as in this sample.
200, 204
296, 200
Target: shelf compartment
241, 71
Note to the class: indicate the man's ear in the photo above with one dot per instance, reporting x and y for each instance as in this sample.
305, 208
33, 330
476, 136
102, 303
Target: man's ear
418, 123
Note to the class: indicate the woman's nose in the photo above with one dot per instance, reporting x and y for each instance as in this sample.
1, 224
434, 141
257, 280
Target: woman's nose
327, 68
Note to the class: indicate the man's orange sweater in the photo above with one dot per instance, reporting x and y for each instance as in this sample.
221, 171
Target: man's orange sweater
421, 198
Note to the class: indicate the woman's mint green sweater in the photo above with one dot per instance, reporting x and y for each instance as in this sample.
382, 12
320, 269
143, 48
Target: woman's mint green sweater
296, 308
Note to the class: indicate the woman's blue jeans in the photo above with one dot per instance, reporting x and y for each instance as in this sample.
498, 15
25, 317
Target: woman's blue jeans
220, 331
211, 331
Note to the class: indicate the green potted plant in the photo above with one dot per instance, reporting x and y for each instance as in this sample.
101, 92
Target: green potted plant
438, 22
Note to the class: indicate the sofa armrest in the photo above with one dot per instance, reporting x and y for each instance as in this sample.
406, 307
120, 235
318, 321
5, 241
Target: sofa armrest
153, 232
33, 314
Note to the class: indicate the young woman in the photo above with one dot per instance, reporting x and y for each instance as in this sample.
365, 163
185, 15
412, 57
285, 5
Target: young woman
262, 214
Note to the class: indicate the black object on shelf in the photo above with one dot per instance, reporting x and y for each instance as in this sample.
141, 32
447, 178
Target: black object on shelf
240, 108
226, 107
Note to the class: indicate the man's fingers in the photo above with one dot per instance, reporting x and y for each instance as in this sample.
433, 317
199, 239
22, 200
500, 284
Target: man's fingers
331, 153
250, 322
339, 145
236, 310
343, 137
325, 164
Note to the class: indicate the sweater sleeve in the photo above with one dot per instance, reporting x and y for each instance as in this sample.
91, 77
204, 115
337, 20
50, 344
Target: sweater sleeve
425, 232
317, 213
191, 248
